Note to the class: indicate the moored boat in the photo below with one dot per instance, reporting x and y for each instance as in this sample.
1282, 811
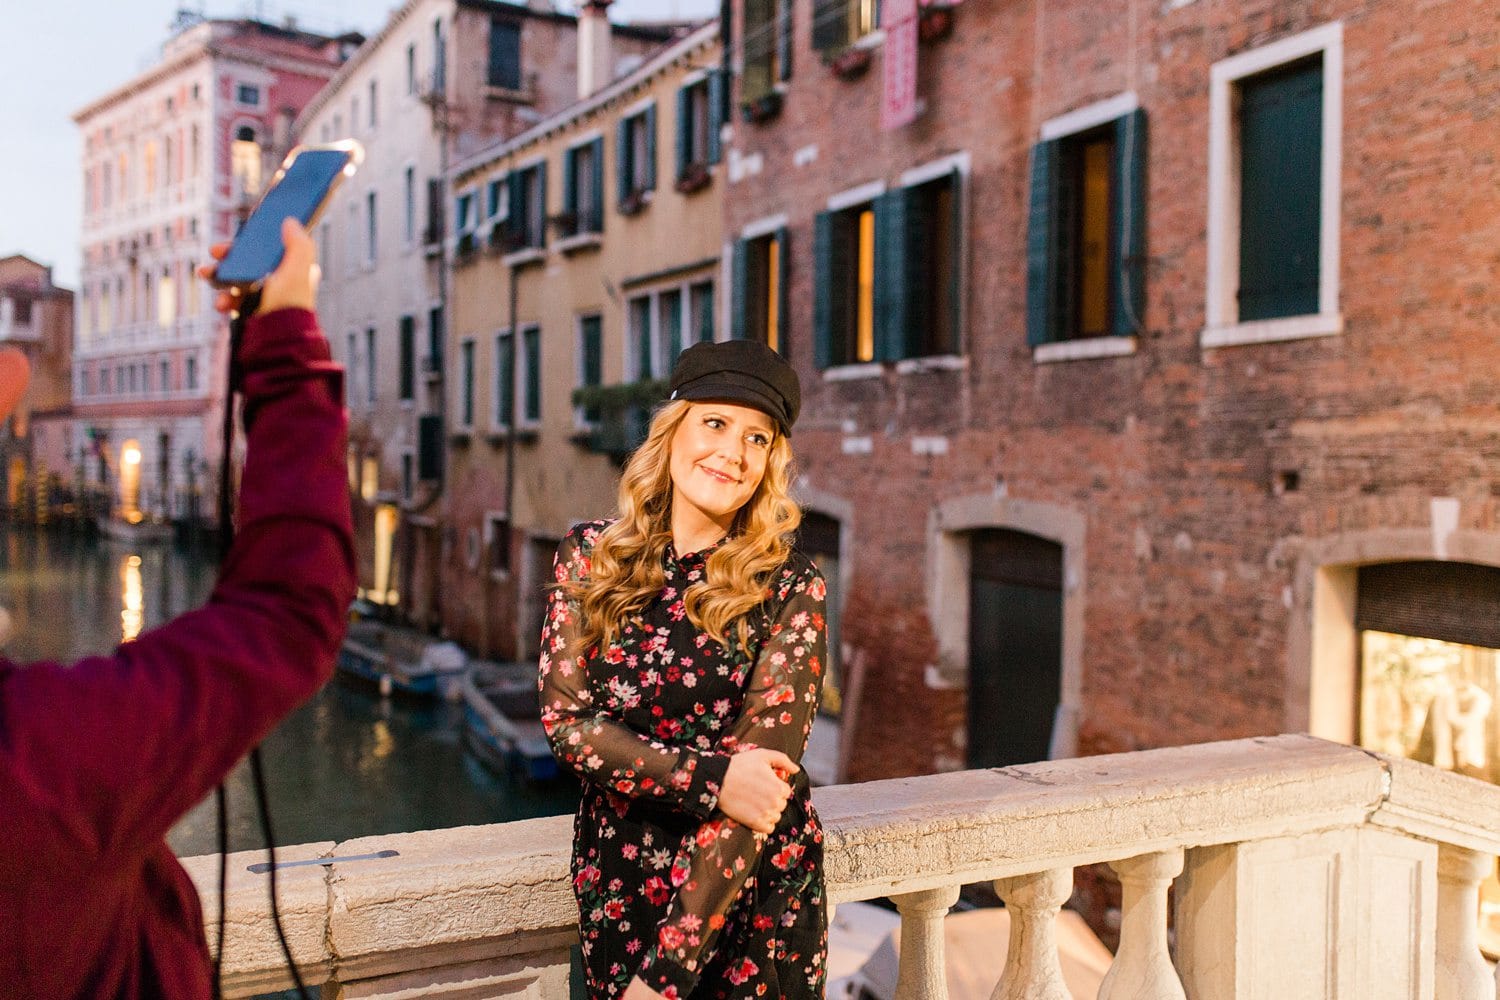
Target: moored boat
402, 661
502, 723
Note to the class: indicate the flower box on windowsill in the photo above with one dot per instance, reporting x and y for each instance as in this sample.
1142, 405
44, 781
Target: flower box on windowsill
935, 23
763, 108
850, 64
635, 202
695, 177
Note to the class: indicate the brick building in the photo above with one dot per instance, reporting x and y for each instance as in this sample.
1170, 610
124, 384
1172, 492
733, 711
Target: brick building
440, 80
172, 161
1148, 373
36, 317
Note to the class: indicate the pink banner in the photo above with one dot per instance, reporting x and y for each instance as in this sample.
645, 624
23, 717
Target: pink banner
898, 100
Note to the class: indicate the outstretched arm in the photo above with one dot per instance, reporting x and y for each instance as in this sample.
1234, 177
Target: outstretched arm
596, 746
780, 703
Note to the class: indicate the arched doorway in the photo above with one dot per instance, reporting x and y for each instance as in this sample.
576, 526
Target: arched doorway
1015, 646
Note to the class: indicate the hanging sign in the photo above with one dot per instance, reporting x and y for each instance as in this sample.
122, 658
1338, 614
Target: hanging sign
898, 99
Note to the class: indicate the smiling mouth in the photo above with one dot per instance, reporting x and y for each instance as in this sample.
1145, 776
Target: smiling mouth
718, 476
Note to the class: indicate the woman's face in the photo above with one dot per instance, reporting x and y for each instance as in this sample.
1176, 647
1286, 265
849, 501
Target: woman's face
718, 458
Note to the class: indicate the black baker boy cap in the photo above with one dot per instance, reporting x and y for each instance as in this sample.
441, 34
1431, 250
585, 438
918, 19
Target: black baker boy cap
740, 371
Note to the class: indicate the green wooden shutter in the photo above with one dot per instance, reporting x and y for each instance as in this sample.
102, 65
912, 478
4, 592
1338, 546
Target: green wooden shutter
684, 132
783, 270
739, 288
505, 379
1040, 261
784, 38
596, 222
830, 25
718, 102
649, 175
570, 186
622, 160
1128, 227
823, 290
1281, 161
541, 198
532, 343
893, 291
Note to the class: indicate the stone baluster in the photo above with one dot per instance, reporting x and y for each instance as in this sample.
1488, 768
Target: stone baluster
922, 974
1142, 969
1462, 972
1032, 969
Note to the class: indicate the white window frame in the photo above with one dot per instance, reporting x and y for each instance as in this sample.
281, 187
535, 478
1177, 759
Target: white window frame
1222, 327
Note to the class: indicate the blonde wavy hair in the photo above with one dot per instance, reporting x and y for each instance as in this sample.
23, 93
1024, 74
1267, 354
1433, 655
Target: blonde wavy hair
625, 566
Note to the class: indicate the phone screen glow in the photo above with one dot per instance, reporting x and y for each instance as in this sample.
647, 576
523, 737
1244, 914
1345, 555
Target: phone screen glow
257, 246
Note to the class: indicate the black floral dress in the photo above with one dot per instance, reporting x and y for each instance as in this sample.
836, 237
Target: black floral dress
669, 888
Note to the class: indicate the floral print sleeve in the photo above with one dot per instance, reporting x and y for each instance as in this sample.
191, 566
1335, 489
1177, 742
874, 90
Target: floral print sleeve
781, 699
597, 746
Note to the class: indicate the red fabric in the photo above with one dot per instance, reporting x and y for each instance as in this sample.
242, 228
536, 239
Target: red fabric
97, 760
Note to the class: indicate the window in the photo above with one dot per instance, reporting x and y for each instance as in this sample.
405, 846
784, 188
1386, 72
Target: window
583, 187
759, 268
247, 94
505, 379
352, 240
1275, 151
505, 54
374, 113
435, 339
166, 299
701, 312
495, 200
193, 156
1085, 246
590, 364
244, 162
844, 295
466, 383
435, 195
409, 206
669, 313
370, 365
354, 113
408, 475
439, 59
640, 341
767, 47
838, 23
351, 365
527, 218
407, 389
497, 536
166, 375
698, 123
531, 386
635, 158
370, 228
463, 216
411, 69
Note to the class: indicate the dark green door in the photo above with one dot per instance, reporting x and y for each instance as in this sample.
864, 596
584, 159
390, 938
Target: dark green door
1015, 646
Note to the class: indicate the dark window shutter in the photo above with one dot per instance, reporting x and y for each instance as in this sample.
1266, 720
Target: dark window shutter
622, 160
684, 131
783, 321
408, 348
893, 289
541, 203
505, 380
1281, 165
824, 293
593, 360
516, 212
648, 181
1128, 227
430, 447
596, 222
1040, 260
952, 338
505, 54
830, 25
718, 99
570, 184
739, 268
784, 38
532, 344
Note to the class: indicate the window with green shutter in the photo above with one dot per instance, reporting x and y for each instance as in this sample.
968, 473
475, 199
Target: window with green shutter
635, 159
505, 54
505, 379
917, 253
758, 308
839, 23
695, 127
531, 352
701, 312
761, 47
583, 188
526, 219
1085, 239
670, 304
844, 307
466, 385
590, 361
639, 338
408, 351
1281, 156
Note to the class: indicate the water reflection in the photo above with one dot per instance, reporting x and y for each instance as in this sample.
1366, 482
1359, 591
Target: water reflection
347, 764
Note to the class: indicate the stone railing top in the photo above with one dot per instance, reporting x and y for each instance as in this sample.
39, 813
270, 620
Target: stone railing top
474, 891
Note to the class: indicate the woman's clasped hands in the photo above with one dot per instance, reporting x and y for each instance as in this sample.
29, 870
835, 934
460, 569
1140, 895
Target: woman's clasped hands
757, 787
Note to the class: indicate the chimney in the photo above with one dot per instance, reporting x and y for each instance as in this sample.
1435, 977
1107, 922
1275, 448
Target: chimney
594, 58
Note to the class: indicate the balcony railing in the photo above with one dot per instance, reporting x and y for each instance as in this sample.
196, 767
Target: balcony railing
1301, 869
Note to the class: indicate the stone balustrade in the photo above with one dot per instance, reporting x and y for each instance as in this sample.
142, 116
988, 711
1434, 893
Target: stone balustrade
1302, 869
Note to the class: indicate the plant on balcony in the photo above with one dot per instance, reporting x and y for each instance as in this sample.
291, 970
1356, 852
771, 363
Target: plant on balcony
763, 108
694, 177
623, 415
849, 64
935, 22
633, 203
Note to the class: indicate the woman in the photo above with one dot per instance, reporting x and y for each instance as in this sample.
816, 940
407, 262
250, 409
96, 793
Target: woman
681, 665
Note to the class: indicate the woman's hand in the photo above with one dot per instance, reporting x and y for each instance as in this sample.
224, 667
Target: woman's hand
755, 788
638, 990
294, 283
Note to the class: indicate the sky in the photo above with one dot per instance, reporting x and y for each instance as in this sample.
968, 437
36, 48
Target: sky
58, 55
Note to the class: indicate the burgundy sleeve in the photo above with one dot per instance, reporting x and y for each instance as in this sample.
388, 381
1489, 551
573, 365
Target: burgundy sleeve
103, 757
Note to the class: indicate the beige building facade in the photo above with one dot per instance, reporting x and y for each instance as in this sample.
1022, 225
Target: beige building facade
589, 257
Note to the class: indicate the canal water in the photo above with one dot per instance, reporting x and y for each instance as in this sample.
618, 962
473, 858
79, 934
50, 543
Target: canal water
347, 764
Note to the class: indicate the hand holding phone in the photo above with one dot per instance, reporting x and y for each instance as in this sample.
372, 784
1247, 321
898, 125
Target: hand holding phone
294, 283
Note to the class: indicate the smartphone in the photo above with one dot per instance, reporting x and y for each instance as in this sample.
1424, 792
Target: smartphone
300, 188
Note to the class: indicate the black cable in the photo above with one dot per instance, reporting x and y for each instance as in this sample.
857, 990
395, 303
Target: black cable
247, 308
